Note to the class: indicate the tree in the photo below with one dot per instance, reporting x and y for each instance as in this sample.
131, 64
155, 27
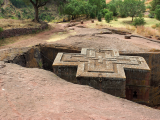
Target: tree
36, 4
154, 3
104, 11
108, 16
75, 8
99, 3
157, 12
89, 9
112, 8
134, 7
99, 16
72, 8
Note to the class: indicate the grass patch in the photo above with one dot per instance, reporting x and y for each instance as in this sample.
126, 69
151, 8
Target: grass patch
123, 22
6, 41
14, 23
1, 29
60, 36
147, 31
150, 28
15, 18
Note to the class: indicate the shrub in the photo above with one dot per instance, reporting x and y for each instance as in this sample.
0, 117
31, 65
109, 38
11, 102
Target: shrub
150, 15
92, 15
24, 11
157, 13
138, 21
2, 10
111, 15
18, 15
147, 31
45, 8
158, 25
1, 29
99, 16
48, 18
53, 18
14, 18
107, 17
42, 16
104, 11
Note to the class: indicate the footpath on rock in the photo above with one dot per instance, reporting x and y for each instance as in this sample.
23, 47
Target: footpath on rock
80, 36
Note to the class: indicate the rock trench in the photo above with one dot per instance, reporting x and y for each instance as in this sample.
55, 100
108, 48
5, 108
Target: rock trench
43, 55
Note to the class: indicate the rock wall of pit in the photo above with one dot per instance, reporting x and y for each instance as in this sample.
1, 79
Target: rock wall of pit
42, 56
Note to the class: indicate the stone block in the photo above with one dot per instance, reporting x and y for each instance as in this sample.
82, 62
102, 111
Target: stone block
127, 36
107, 71
81, 21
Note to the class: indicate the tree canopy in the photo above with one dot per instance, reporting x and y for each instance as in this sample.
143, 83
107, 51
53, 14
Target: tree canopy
134, 7
154, 3
130, 8
75, 8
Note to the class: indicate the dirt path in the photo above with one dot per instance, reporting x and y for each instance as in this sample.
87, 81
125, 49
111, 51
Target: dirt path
36, 94
34, 39
85, 38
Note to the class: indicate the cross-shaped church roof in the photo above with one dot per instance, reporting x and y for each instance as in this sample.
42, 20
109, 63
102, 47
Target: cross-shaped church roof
101, 63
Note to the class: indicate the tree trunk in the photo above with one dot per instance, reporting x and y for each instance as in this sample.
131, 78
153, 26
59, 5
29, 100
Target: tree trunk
132, 19
36, 19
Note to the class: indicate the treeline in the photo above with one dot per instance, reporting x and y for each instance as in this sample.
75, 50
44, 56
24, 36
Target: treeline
76, 8
99, 9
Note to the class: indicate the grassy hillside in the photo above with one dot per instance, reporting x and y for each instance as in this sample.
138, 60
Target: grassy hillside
15, 10
46, 13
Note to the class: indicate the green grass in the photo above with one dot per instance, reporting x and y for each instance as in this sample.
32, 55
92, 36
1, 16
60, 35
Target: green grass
15, 18
151, 21
123, 22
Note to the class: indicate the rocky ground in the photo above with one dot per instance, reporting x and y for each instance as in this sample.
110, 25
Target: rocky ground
85, 37
36, 94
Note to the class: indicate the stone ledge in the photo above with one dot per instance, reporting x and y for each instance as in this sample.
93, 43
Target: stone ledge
21, 31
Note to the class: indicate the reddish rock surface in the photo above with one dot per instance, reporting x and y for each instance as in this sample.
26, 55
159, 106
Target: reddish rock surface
36, 94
